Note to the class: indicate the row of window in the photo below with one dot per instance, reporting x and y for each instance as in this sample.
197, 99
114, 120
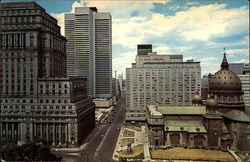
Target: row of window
32, 101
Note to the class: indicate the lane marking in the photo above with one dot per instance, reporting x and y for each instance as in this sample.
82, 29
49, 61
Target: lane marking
100, 145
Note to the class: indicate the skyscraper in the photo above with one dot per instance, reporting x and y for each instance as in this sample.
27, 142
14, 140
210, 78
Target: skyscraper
37, 100
89, 49
161, 80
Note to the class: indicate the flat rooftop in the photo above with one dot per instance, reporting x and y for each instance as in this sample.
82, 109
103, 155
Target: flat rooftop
182, 110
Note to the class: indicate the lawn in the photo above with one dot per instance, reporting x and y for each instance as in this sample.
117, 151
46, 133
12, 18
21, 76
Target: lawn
191, 154
126, 141
135, 128
137, 152
243, 157
128, 133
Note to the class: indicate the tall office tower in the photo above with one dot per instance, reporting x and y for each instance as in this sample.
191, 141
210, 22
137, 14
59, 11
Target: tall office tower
89, 49
161, 80
38, 101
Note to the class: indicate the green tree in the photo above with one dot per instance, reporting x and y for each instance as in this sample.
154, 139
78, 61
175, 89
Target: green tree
32, 151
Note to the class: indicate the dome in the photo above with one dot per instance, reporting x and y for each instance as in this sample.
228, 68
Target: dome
197, 99
212, 103
225, 80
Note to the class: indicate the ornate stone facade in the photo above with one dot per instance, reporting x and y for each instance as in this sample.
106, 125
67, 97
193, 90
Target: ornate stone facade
37, 100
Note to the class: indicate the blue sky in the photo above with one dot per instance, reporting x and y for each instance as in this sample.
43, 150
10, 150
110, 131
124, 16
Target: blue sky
197, 29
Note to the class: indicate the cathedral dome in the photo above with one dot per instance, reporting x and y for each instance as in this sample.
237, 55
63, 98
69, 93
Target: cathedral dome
225, 80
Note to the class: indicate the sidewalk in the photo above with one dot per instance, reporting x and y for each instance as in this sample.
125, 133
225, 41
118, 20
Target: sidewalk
70, 149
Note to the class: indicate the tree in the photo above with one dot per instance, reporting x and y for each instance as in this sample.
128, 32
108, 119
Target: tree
32, 151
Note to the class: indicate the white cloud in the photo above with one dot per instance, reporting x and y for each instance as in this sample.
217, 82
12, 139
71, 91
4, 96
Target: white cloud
195, 24
208, 65
242, 61
240, 42
237, 52
202, 23
123, 61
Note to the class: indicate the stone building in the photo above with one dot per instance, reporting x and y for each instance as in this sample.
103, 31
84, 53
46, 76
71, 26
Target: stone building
37, 100
221, 122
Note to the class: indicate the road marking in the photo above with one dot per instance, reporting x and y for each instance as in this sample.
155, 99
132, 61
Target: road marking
100, 145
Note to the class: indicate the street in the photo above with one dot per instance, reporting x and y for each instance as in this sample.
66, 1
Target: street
101, 146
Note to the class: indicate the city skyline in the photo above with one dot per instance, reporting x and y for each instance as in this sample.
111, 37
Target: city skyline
164, 111
145, 22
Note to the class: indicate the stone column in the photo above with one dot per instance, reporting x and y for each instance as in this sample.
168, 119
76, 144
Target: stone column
41, 131
66, 134
7, 130
35, 134
168, 139
19, 131
1, 130
12, 131
60, 134
53, 132
69, 133
47, 132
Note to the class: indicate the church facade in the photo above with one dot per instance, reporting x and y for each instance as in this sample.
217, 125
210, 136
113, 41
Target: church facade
220, 122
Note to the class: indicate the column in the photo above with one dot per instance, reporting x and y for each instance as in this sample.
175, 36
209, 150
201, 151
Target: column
47, 132
1, 130
35, 135
41, 131
19, 131
60, 134
53, 132
168, 139
12, 131
66, 134
69, 134
7, 131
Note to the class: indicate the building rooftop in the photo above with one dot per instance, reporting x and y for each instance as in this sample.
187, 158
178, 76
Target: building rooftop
153, 110
182, 110
191, 126
237, 115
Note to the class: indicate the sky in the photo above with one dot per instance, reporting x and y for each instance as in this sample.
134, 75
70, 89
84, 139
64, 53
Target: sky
197, 29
